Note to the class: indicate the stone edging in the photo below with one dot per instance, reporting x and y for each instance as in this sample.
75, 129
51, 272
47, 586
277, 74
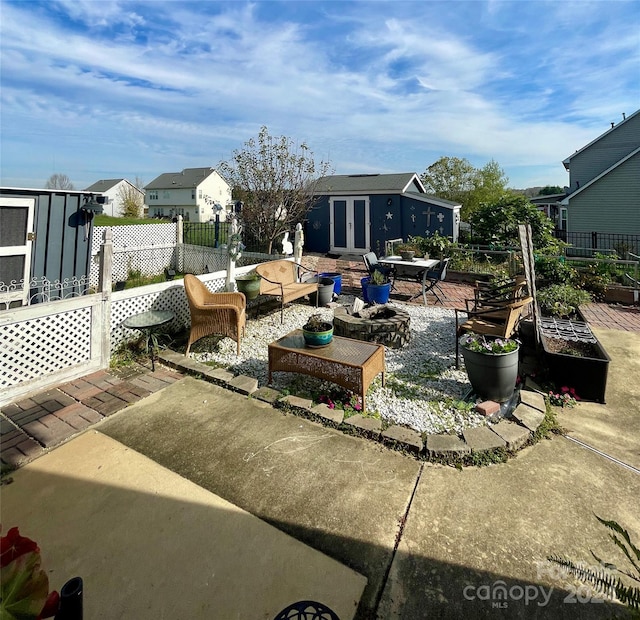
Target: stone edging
509, 434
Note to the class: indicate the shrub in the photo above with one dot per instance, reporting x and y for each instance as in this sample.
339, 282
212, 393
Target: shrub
554, 270
561, 300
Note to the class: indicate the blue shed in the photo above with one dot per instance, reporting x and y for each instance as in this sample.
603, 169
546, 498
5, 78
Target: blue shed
45, 244
357, 213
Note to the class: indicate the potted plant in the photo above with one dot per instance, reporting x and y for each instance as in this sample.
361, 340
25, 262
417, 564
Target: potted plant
249, 284
491, 364
378, 288
317, 332
408, 251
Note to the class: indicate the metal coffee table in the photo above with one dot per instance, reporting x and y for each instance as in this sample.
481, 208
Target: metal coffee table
352, 364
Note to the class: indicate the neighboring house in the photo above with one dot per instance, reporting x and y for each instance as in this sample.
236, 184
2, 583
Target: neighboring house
45, 245
192, 193
604, 183
357, 213
114, 190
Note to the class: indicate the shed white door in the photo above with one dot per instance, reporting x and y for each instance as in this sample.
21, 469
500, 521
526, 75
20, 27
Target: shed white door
350, 225
16, 224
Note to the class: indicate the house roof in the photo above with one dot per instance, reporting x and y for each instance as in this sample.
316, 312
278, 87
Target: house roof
593, 181
103, 185
370, 183
189, 177
567, 161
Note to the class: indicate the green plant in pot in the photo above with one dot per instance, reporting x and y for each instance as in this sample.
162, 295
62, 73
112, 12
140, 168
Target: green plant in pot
317, 331
408, 251
379, 288
249, 284
491, 364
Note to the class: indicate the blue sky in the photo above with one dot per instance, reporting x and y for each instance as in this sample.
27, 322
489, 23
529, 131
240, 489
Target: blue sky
107, 89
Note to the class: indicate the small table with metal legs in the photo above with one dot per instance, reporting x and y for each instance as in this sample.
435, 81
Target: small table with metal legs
147, 322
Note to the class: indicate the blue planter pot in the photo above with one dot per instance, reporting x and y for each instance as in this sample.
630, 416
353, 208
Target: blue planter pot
364, 282
316, 340
492, 376
337, 281
378, 293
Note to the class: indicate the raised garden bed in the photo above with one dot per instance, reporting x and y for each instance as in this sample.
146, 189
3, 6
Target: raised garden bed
577, 364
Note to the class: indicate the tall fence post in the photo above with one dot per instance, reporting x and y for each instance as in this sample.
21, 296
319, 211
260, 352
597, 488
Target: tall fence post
101, 318
180, 244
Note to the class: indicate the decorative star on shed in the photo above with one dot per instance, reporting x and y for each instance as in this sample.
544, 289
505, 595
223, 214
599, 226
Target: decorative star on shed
389, 215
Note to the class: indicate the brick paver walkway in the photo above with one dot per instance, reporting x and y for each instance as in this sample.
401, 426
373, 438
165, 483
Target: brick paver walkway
49, 418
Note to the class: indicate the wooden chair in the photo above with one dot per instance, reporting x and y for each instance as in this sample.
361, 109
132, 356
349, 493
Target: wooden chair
487, 321
281, 279
214, 313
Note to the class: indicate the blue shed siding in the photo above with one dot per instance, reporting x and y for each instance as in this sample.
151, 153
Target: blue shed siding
61, 249
392, 216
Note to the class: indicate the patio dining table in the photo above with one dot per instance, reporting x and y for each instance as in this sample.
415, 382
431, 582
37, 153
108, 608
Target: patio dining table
415, 270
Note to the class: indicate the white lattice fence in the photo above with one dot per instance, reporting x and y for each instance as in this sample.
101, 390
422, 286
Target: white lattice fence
164, 296
49, 342
126, 236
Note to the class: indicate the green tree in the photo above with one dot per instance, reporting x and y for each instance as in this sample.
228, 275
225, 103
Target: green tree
59, 181
450, 178
497, 223
489, 185
276, 180
548, 190
456, 179
131, 198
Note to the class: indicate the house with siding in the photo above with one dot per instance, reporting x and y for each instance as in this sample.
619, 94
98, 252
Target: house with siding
192, 193
356, 213
604, 183
113, 190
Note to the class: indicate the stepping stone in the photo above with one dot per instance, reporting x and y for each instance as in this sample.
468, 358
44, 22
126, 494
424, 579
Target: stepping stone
369, 426
296, 401
528, 417
410, 439
482, 438
267, 394
446, 445
514, 434
335, 416
244, 384
533, 400
218, 375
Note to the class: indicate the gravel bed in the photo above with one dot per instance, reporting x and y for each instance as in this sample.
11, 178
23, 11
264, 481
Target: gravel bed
423, 388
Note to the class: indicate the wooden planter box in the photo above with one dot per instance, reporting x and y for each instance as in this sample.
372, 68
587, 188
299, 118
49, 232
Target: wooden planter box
618, 294
587, 375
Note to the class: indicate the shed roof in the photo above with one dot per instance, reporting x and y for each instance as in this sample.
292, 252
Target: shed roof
189, 177
370, 183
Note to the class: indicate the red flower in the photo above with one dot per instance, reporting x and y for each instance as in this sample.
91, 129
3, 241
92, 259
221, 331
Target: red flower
13, 545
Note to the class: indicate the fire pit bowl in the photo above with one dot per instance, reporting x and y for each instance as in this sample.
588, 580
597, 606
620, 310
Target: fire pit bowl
382, 324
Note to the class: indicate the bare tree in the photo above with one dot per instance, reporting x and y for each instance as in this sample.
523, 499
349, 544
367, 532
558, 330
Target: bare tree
131, 198
59, 181
276, 180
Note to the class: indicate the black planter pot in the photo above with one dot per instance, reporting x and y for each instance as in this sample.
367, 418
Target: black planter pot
587, 375
492, 376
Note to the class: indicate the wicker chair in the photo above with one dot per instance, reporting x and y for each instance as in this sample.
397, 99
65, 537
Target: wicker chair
214, 313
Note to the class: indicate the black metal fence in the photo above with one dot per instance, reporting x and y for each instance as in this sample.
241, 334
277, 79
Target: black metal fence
587, 243
210, 234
